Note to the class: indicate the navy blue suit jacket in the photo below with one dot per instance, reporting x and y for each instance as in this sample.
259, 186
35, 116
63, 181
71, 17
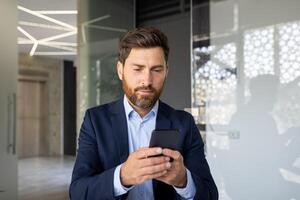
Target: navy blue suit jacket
103, 145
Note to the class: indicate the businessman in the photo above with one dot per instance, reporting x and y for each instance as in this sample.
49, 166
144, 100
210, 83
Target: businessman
114, 160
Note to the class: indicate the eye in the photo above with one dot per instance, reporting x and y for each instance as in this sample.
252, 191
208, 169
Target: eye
137, 69
157, 70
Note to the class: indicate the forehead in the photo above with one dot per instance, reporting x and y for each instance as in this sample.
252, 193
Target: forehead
144, 55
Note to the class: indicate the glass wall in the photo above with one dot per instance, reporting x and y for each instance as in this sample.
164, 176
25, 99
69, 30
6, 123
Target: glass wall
246, 90
8, 90
101, 23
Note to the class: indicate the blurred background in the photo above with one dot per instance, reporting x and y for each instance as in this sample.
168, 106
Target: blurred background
234, 65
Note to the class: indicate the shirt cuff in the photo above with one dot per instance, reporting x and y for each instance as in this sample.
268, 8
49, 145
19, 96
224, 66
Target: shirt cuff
119, 189
190, 190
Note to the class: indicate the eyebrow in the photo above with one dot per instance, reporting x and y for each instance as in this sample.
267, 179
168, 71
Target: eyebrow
138, 65
154, 66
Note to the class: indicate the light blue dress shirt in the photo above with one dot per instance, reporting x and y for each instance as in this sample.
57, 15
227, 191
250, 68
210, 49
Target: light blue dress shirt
139, 133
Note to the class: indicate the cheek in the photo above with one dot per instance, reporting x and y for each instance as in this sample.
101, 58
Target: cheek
159, 81
130, 75
135, 80
130, 81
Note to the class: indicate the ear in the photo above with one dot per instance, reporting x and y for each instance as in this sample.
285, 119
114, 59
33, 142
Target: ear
167, 70
120, 70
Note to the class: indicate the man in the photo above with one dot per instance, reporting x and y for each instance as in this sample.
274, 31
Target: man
114, 161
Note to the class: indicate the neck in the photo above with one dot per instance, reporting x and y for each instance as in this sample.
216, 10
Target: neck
141, 111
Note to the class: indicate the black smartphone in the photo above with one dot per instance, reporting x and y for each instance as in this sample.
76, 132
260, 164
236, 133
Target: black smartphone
165, 138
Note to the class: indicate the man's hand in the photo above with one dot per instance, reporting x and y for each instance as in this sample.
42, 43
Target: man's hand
140, 167
176, 174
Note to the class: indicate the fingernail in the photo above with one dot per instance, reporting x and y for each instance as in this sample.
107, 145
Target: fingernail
167, 158
159, 150
168, 165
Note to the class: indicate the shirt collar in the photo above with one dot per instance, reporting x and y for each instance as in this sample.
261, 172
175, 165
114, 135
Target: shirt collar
129, 109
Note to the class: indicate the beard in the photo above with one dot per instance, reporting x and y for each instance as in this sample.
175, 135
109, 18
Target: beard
139, 100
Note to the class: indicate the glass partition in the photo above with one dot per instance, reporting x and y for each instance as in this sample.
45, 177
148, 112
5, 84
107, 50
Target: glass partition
8, 90
246, 91
101, 24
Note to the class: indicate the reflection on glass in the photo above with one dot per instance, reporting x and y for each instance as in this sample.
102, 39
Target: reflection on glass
259, 52
105, 82
257, 143
214, 81
101, 23
246, 90
289, 37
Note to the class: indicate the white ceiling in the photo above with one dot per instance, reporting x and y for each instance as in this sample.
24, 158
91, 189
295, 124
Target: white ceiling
39, 29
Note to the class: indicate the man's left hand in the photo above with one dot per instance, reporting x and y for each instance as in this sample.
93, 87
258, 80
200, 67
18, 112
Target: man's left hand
176, 174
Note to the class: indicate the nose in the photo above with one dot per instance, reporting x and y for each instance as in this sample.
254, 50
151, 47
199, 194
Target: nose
147, 78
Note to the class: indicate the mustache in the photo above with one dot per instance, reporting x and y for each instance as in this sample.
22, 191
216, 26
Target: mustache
145, 88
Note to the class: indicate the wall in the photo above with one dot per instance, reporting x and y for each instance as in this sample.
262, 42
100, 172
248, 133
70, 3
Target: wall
54, 68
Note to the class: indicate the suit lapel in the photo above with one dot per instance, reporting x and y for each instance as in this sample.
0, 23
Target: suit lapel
119, 128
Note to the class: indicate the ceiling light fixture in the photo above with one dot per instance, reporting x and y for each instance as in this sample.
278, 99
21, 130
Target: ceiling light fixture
24, 23
69, 47
26, 41
58, 36
47, 18
33, 48
35, 42
58, 47
60, 43
108, 28
55, 53
26, 34
57, 12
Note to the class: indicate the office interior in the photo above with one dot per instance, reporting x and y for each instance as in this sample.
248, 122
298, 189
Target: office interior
234, 65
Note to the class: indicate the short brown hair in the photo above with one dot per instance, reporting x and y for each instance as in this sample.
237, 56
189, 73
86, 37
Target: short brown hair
144, 37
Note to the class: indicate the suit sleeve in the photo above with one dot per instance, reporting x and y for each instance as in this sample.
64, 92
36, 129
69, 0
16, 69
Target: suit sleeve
195, 161
89, 179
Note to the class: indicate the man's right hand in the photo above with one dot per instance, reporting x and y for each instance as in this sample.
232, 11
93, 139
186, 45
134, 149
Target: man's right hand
140, 166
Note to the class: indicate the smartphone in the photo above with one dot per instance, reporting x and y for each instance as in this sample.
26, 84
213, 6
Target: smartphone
165, 138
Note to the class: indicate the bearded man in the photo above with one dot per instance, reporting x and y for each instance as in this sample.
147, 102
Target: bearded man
114, 160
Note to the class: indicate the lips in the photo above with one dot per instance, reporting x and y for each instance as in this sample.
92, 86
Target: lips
146, 91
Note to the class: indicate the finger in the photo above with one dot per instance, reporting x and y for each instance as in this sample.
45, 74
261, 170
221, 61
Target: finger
172, 154
154, 176
154, 161
138, 153
155, 169
141, 149
164, 178
147, 152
